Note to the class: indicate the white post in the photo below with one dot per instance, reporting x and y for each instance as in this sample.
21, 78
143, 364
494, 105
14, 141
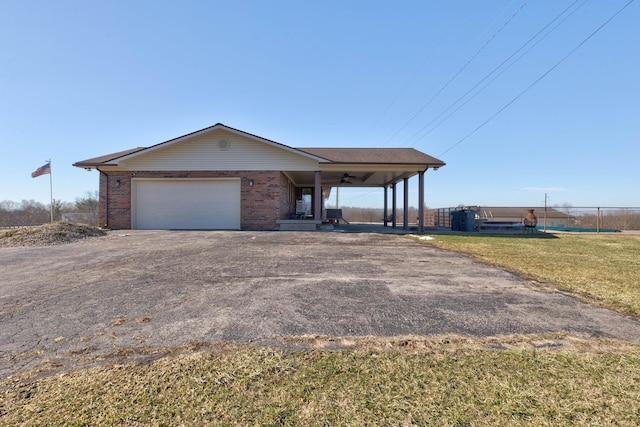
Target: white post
394, 220
421, 201
317, 208
386, 205
405, 214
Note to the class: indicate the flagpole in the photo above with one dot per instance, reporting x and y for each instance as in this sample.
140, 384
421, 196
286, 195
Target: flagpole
51, 189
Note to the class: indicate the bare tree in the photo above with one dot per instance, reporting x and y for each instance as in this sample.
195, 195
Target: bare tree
88, 203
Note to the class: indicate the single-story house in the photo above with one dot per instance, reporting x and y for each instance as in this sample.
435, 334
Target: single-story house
223, 178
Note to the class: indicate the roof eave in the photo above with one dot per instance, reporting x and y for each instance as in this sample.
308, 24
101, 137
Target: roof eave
107, 160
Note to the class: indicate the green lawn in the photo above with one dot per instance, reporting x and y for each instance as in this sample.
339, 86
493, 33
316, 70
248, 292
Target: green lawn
605, 267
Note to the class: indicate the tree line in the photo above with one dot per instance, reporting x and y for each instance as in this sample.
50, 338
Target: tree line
617, 219
31, 212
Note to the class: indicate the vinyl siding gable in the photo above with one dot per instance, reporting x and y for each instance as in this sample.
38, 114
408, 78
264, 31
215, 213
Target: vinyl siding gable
219, 150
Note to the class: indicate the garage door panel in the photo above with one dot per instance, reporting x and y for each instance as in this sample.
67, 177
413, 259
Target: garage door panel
187, 204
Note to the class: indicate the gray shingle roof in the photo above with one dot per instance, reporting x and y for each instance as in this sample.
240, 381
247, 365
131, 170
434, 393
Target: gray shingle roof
374, 156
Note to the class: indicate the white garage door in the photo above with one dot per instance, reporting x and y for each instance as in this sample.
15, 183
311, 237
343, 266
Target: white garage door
187, 204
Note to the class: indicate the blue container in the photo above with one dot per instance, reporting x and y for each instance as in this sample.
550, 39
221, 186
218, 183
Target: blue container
464, 220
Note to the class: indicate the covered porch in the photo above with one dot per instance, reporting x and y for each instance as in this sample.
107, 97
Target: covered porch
362, 168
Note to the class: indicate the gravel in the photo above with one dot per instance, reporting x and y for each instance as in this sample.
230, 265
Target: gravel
55, 233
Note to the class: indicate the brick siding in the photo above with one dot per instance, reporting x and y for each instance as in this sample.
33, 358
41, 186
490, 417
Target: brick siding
260, 205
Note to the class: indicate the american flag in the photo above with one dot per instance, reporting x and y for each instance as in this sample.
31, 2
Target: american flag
42, 170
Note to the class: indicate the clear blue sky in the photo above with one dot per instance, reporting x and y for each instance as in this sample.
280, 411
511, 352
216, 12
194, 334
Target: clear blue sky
80, 79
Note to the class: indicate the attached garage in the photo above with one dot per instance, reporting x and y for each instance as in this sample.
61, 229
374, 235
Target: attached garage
196, 204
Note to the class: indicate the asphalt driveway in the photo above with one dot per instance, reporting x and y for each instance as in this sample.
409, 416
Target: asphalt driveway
133, 291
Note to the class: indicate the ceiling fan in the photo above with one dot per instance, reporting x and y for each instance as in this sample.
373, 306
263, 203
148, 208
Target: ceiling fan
346, 178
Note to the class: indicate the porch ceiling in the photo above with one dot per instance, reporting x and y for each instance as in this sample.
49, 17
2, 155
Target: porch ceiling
356, 176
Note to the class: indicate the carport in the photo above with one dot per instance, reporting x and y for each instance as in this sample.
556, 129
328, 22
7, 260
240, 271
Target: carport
370, 167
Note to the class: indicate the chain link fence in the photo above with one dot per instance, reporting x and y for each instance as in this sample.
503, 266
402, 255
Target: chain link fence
565, 218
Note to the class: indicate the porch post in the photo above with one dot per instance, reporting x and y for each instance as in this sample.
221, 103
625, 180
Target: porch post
405, 216
393, 206
317, 198
385, 205
421, 201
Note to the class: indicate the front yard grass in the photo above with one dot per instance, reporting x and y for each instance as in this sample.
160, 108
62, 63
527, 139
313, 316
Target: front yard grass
603, 267
454, 381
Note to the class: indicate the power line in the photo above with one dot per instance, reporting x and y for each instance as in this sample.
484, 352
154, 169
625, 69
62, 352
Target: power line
545, 74
396, 98
457, 73
415, 136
